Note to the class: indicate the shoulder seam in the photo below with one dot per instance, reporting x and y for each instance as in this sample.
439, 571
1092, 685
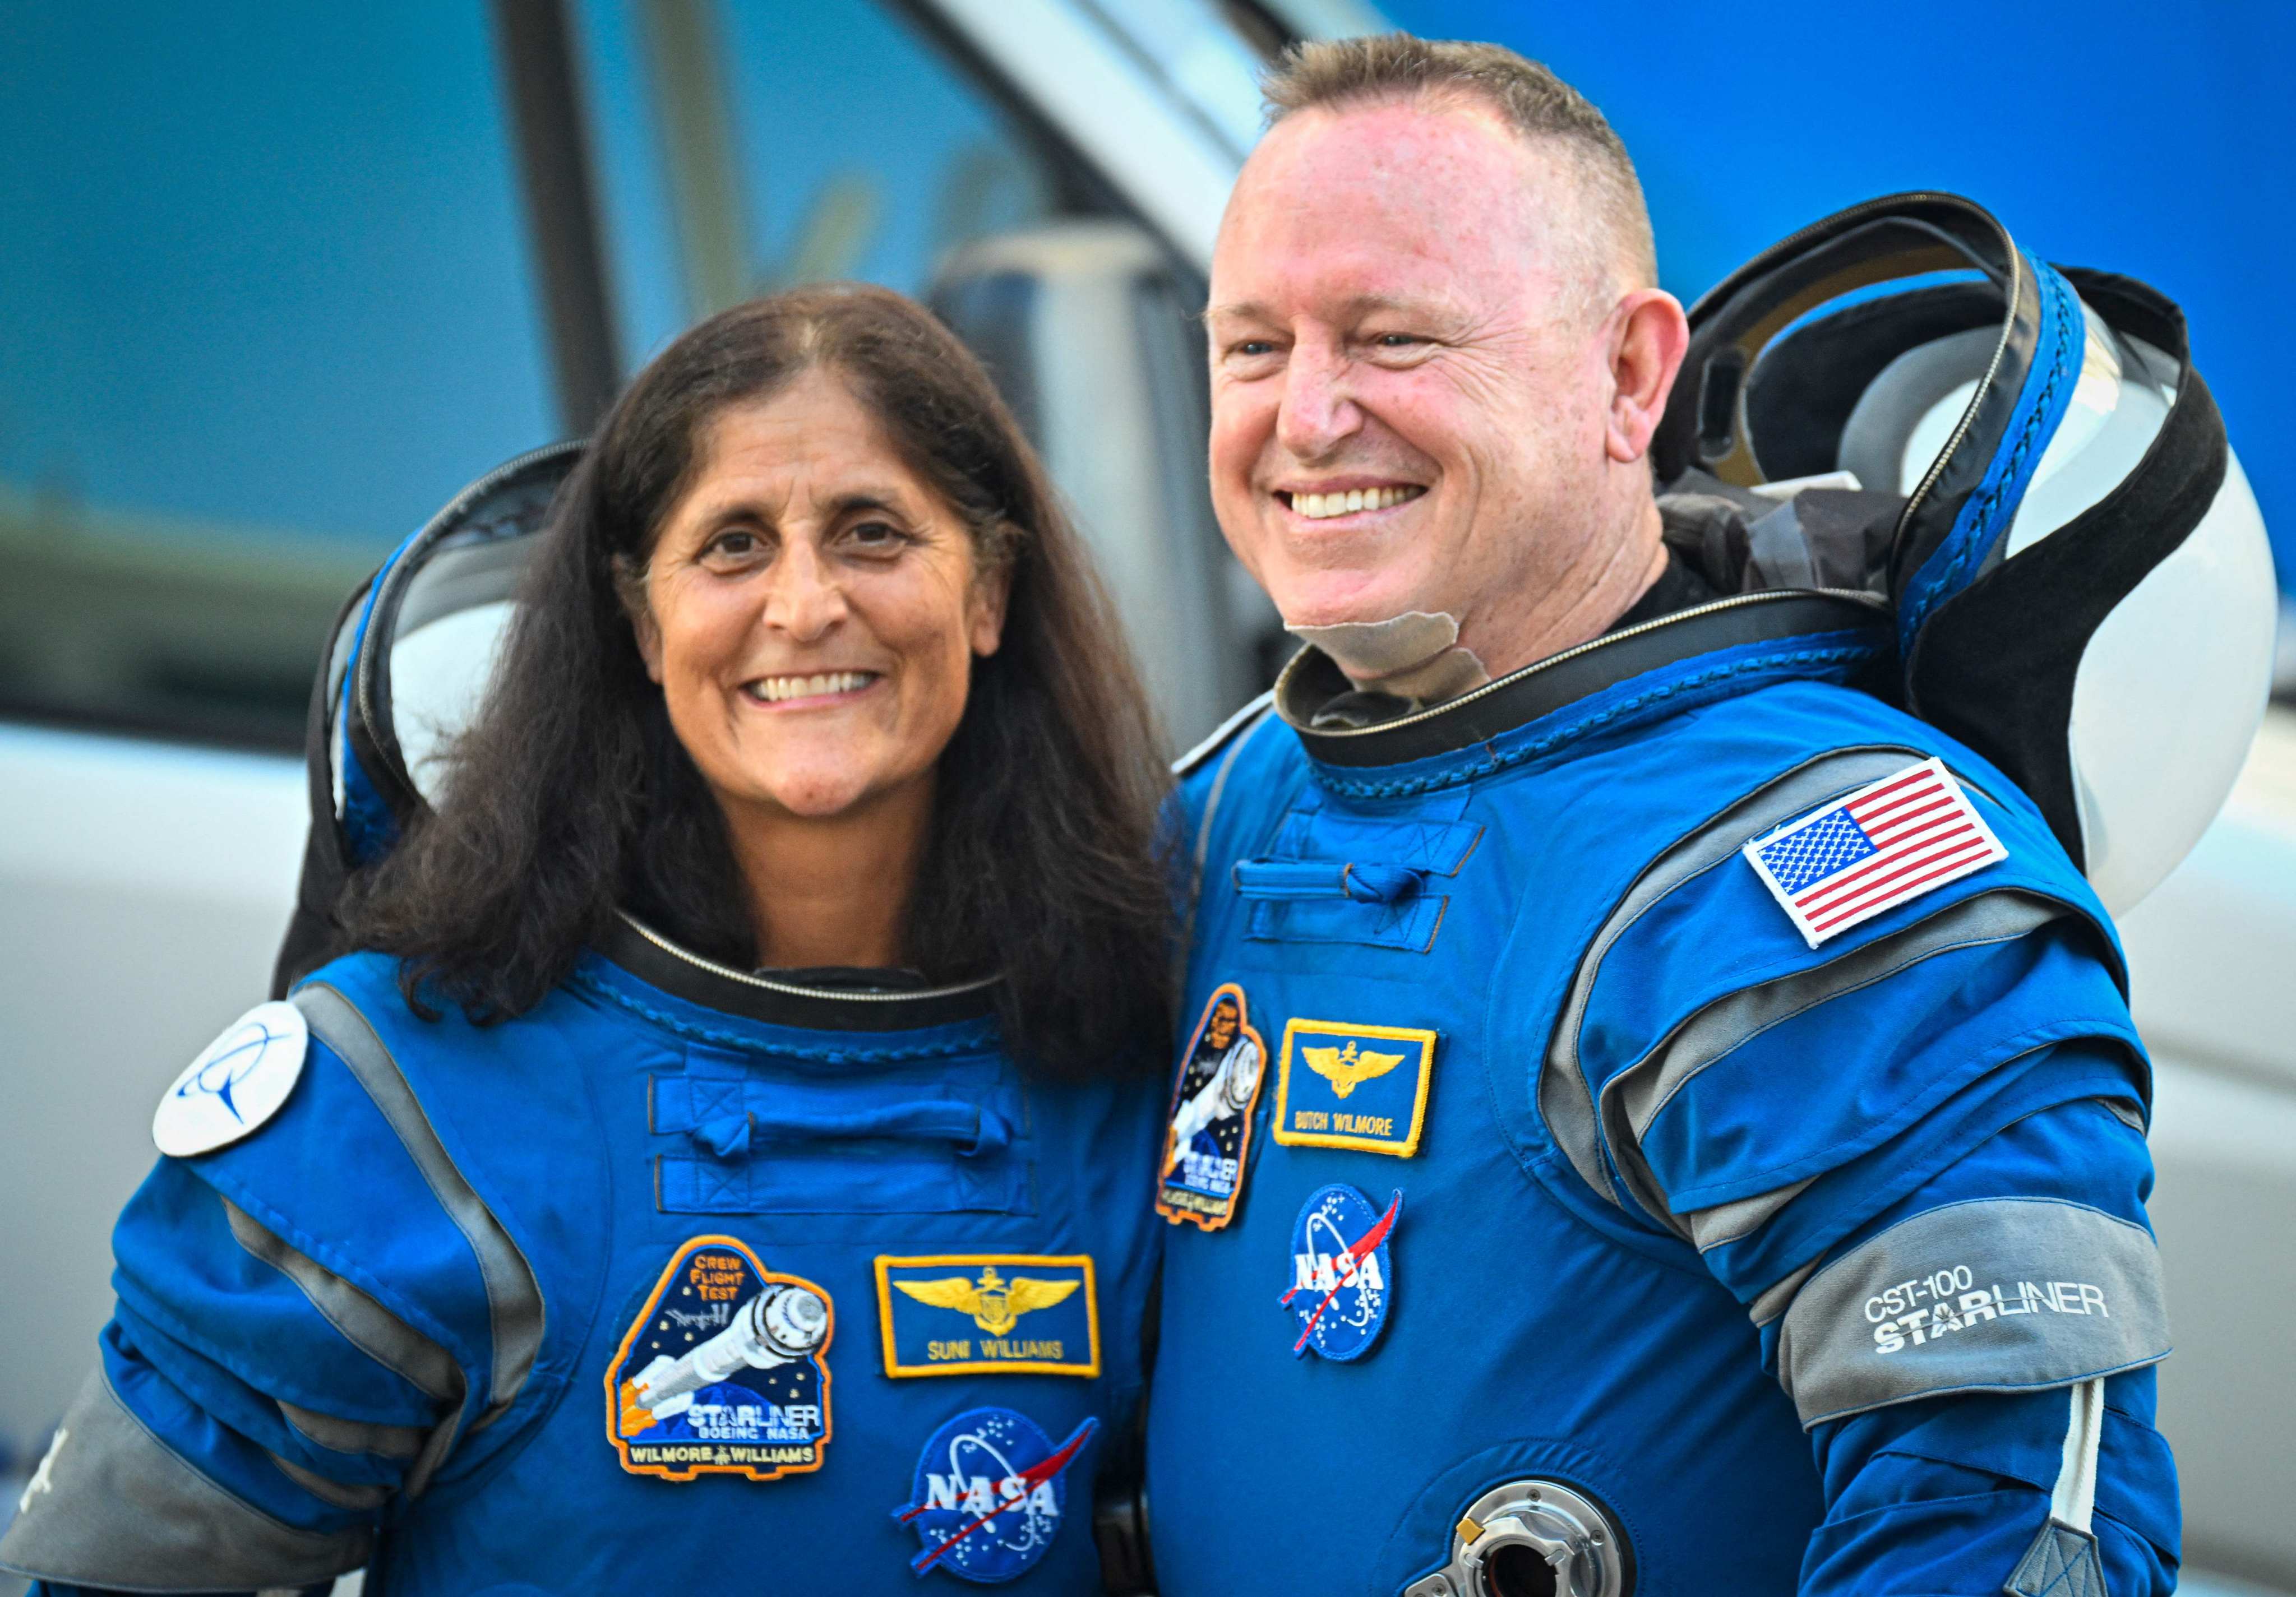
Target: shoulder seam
1235, 724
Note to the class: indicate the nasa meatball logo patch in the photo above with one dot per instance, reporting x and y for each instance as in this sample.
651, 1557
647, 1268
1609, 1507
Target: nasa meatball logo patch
989, 1494
1343, 1280
724, 1371
238, 1082
1207, 1139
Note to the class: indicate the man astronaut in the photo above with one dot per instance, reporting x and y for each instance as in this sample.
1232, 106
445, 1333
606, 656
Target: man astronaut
1770, 1225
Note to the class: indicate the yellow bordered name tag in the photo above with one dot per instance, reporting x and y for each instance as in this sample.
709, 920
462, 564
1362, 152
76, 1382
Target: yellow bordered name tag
989, 1314
1344, 1086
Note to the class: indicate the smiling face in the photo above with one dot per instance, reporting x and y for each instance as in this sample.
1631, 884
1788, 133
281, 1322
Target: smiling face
1416, 377
812, 608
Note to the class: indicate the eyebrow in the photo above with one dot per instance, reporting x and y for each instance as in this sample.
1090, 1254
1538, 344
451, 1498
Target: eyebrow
885, 499
1251, 310
882, 499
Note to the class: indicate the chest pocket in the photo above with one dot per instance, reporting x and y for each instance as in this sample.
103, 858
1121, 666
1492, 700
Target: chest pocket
1334, 875
752, 1140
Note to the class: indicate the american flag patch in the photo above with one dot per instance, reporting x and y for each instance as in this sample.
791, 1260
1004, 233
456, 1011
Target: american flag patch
1872, 851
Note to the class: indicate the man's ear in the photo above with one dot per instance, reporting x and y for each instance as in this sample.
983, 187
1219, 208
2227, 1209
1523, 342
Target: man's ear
1649, 337
629, 588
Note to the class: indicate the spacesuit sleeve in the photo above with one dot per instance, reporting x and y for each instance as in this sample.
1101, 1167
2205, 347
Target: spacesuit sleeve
1957, 1493
301, 1336
1915, 1154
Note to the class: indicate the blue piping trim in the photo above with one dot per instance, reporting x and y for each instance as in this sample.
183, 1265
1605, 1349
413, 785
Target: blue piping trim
975, 1037
368, 824
1986, 517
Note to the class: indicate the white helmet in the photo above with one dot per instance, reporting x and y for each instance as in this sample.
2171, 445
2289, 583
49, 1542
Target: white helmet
2084, 589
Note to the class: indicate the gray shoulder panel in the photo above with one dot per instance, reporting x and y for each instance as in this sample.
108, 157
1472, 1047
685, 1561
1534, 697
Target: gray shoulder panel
1993, 1294
364, 1323
114, 1508
1710, 1228
355, 1435
1564, 1102
1227, 729
1632, 1099
358, 1499
514, 1295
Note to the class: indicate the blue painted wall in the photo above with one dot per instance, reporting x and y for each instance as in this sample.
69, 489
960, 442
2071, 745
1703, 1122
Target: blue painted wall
2149, 139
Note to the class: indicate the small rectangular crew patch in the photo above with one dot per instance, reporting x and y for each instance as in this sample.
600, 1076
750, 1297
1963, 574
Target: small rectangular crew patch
989, 1314
1861, 855
1343, 1086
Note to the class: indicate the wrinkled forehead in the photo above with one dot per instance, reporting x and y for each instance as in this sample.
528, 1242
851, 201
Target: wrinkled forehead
1403, 200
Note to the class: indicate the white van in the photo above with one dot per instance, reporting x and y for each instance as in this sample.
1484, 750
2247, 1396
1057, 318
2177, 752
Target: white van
272, 289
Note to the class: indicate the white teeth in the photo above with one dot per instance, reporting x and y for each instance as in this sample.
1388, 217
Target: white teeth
1317, 507
774, 688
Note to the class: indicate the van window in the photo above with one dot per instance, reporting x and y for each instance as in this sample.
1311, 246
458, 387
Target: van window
767, 144
265, 304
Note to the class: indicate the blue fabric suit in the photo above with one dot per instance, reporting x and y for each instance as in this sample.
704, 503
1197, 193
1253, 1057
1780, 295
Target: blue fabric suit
398, 1322
1661, 1164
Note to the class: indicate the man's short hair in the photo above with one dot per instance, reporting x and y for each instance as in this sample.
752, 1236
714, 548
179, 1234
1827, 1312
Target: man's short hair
1334, 74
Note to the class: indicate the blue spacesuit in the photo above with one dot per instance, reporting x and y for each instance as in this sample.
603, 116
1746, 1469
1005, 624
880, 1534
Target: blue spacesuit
1690, 1084
688, 1280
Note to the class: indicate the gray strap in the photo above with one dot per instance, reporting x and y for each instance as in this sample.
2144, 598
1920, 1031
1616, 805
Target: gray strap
355, 1435
1710, 1228
1564, 1102
113, 1507
1240, 727
358, 1498
2063, 1560
1633, 1097
1221, 734
514, 1304
2073, 1501
1778, 1296
364, 1323
1994, 1294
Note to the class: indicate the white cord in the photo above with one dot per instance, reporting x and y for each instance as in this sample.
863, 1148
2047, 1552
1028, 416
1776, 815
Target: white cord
2074, 1501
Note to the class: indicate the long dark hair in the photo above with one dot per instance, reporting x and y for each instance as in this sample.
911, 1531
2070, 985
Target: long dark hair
570, 794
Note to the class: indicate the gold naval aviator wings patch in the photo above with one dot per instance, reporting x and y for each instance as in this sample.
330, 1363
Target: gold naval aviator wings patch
1033, 1313
994, 1304
1352, 1095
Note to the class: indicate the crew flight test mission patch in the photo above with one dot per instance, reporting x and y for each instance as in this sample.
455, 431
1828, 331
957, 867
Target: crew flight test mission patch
724, 1371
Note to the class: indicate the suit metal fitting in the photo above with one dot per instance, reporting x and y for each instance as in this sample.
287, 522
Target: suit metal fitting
1532, 1538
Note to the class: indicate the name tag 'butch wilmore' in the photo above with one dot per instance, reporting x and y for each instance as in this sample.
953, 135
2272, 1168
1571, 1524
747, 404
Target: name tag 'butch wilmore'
1913, 1313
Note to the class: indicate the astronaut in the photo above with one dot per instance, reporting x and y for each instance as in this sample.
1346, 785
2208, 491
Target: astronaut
1234, 1082
545, 1240
1755, 1081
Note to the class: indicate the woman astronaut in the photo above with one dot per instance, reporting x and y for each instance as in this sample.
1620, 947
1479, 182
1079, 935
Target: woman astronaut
718, 1168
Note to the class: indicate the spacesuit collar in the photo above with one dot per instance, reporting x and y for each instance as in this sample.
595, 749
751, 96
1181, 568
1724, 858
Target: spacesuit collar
1305, 688
785, 998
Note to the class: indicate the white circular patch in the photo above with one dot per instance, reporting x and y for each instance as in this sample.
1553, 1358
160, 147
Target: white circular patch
237, 1085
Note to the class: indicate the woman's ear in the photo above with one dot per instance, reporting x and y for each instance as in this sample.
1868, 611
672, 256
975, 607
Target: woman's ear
992, 592
629, 588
